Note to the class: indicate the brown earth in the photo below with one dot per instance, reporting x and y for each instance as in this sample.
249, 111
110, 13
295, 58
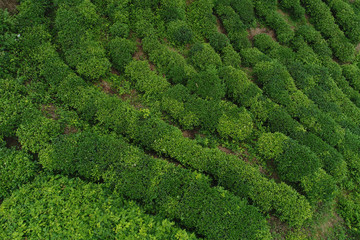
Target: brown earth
10, 5
220, 26
70, 130
139, 54
50, 111
255, 31
12, 142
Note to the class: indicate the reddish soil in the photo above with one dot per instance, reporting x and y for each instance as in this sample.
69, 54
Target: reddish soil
50, 111
255, 31
10, 5
114, 71
139, 54
188, 2
273, 174
220, 26
323, 229
357, 48
189, 133
278, 227
132, 97
70, 130
106, 87
225, 150
12, 142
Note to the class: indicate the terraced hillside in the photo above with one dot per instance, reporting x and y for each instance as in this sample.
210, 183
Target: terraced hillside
180, 119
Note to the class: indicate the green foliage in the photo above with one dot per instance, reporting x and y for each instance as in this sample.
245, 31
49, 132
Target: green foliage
238, 87
230, 57
167, 61
14, 106
200, 14
251, 56
121, 51
207, 85
319, 187
296, 162
271, 145
297, 12
172, 10
234, 26
78, 34
346, 18
119, 29
293, 161
98, 215
218, 41
179, 32
245, 10
202, 55
235, 123
144, 79
36, 133
16, 168
324, 22
265, 43
352, 74
163, 188
315, 40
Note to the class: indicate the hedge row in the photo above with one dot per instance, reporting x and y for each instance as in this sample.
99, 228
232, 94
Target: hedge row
293, 7
177, 98
235, 28
163, 188
246, 93
324, 22
200, 15
314, 39
113, 113
16, 168
277, 83
165, 139
266, 10
297, 163
71, 208
305, 63
79, 28
346, 18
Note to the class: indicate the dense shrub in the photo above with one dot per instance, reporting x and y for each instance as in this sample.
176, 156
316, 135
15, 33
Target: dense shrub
144, 79
119, 29
16, 168
235, 28
352, 74
218, 41
251, 56
163, 188
319, 187
179, 32
238, 87
324, 22
14, 107
245, 9
200, 15
99, 214
293, 161
121, 51
230, 57
235, 123
207, 85
297, 12
36, 133
346, 18
202, 55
